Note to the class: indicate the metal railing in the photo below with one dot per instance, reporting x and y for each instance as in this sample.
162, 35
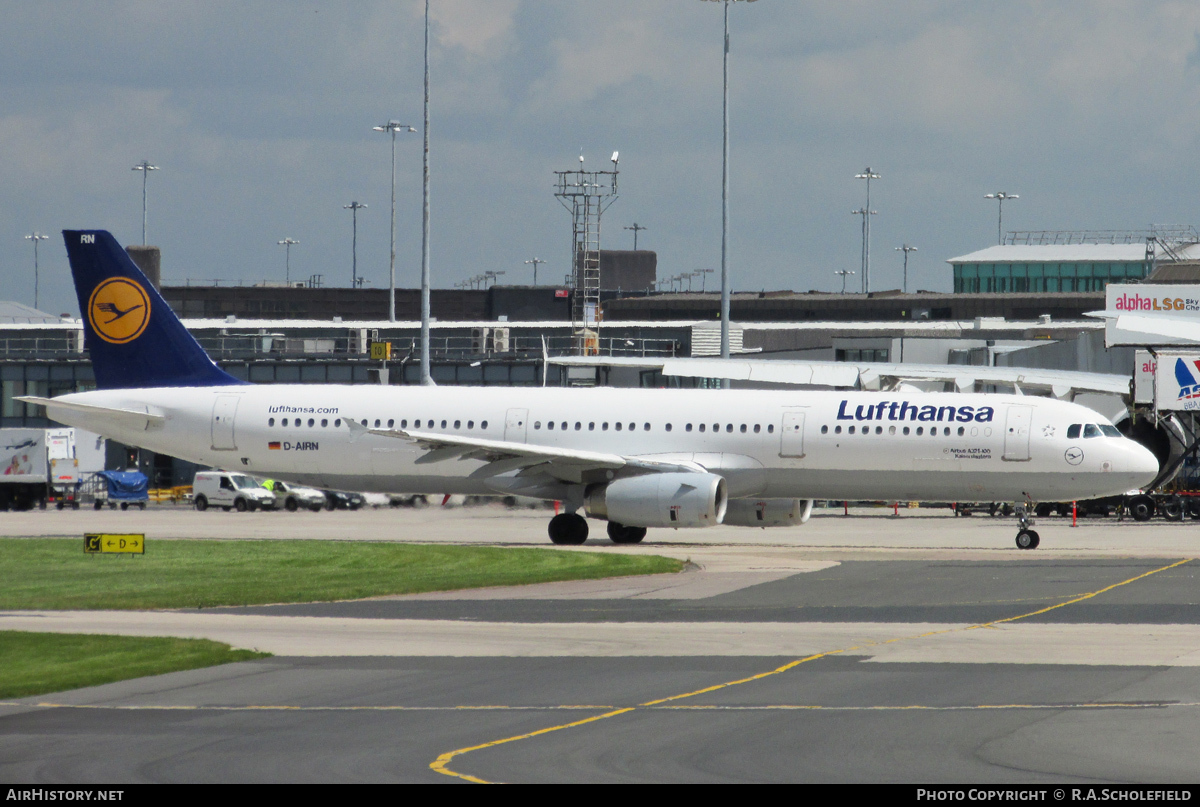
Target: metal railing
257, 347
37, 346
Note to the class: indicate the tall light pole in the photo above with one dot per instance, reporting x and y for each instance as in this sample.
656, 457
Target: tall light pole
145, 167
535, 262
906, 249
868, 175
35, 237
354, 207
862, 258
393, 127
426, 377
635, 227
1000, 197
844, 273
287, 245
725, 188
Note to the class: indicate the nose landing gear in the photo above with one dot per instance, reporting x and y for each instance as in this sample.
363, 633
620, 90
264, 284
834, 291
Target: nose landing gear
1026, 538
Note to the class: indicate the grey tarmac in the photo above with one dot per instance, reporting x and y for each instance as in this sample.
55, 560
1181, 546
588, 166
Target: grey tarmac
917, 648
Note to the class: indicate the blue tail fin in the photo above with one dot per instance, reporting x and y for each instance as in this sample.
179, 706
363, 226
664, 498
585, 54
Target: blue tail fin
133, 336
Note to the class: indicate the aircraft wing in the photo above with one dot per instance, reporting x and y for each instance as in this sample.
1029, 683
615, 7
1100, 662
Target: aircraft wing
870, 376
503, 456
1169, 327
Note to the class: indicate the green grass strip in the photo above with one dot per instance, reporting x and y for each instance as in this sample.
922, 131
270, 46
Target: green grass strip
54, 573
36, 663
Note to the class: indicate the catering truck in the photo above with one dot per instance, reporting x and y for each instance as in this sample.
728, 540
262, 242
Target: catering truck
36, 464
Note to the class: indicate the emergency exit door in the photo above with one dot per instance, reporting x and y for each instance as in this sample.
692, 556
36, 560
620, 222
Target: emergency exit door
516, 423
791, 434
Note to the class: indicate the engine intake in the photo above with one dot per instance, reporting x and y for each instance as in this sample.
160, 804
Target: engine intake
660, 500
768, 512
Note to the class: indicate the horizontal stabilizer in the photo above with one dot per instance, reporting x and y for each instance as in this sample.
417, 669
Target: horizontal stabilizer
97, 415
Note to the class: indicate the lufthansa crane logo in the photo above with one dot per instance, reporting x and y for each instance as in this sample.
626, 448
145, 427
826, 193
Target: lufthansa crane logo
119, 310
1073, 455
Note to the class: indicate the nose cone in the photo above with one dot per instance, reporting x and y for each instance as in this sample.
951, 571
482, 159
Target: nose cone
1140, 464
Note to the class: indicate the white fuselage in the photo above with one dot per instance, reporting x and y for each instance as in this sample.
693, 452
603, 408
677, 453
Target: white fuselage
767, 444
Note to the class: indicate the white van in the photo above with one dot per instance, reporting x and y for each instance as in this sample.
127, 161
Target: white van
229, 491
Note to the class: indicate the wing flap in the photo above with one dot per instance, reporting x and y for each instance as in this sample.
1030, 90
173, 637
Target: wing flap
503, 456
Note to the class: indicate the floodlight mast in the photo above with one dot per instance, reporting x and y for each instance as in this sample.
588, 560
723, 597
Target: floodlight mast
145, 167
426, 371
636, 229
906, 249
354, 207
867, 212
1000, 197
393, 127
535, 262
287, 245
844, 274
35, 237
725, 187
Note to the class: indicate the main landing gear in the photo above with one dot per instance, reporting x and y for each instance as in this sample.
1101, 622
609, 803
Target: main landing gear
571, 529
620, 534
1026, 538
568, 529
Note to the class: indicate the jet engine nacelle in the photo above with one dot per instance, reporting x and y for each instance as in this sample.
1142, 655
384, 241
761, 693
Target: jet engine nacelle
660, 500
768, 512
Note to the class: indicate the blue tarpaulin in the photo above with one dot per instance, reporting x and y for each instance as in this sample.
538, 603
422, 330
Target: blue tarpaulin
126, 486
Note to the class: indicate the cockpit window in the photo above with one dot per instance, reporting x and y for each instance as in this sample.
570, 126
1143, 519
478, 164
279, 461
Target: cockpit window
1073, 431
1110, 431
1091, 430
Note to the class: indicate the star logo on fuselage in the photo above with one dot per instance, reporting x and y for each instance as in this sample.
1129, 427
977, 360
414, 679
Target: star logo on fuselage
1048, 431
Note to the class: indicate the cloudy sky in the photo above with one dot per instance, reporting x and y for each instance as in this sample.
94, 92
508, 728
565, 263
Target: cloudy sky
260, 113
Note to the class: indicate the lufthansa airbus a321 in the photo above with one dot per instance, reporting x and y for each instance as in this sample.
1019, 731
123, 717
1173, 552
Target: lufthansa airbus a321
636, 458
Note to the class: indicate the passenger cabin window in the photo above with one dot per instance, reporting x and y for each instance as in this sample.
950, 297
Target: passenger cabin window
1091, 430
1073, 431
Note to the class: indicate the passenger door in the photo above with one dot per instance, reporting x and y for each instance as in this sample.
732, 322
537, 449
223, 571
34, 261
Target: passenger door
223, 416
1016, 433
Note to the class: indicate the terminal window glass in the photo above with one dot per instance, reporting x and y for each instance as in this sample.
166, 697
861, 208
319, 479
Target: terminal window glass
862, 354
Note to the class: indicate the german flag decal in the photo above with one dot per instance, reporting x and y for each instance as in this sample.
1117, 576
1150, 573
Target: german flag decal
273, 446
